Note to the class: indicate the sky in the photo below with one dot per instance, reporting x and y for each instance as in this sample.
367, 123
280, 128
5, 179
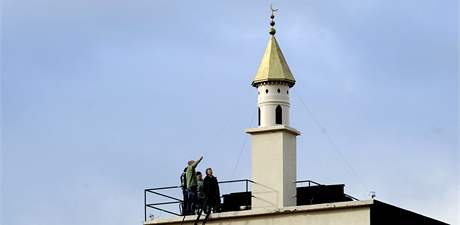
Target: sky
102, 99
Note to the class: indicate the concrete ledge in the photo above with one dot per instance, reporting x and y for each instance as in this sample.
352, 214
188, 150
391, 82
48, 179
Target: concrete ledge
272, 129
265, 212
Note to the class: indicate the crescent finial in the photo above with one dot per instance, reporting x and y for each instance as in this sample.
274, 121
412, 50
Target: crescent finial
272, 22
273, 10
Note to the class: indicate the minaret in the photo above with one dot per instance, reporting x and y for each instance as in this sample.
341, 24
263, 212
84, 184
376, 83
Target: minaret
273, 141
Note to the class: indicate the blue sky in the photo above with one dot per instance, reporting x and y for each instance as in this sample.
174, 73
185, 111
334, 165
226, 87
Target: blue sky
101, 99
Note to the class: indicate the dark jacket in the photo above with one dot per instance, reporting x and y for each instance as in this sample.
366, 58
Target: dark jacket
183, 179
211, 190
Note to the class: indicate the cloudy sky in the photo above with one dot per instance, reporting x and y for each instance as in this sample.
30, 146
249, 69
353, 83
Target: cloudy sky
101, 99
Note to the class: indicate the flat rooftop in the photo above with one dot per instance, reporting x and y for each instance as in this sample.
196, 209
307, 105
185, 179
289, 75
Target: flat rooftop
361, 212
264, 212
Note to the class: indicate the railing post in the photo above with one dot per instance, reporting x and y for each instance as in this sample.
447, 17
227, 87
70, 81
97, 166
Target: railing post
145, 205
246, 185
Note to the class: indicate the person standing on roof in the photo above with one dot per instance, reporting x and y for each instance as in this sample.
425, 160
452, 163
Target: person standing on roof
212, 192
200, 192
183, 185
190, 177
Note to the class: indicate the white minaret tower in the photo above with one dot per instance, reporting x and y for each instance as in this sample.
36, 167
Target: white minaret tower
273, 141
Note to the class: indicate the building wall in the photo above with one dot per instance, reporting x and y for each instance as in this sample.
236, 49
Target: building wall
356, 216
345, 213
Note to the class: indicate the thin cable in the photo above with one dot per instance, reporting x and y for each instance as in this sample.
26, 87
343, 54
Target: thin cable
245, 140
326, 134
219, 132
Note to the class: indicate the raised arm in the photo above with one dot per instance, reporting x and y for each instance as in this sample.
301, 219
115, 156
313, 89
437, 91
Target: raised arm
197, 162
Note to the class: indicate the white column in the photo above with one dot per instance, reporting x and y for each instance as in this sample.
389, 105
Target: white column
269, 97
273, 166
273, 150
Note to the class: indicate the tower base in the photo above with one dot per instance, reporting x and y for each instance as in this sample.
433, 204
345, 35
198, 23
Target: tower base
273, 166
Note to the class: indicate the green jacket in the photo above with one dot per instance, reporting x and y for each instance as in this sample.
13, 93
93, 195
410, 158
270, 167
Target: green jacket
190, 174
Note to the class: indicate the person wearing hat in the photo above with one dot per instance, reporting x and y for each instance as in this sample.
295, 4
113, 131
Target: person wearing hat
191, 181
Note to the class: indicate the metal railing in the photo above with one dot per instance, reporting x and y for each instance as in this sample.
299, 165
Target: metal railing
154, 205
309, 182
178, 201
349, 196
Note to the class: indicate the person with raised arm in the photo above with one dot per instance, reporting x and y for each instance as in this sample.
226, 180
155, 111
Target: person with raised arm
191, 181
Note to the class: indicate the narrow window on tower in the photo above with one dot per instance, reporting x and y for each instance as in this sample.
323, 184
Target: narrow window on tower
279, 115
258, 109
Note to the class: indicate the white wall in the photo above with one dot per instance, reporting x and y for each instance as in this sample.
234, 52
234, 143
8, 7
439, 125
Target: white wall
341, 213
267, 103
273, 166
